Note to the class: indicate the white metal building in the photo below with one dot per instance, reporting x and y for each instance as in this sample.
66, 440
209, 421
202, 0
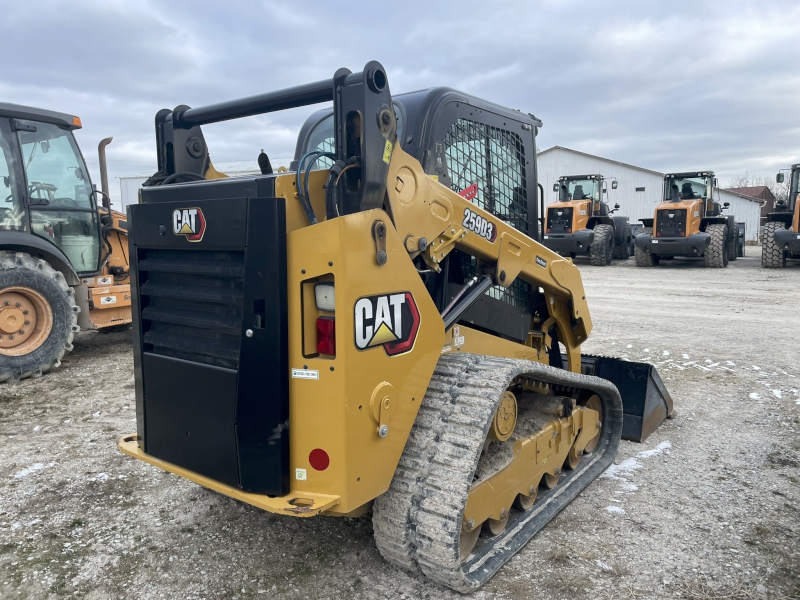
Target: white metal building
639, 190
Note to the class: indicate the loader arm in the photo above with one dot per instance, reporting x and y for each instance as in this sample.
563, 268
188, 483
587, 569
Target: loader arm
433, 220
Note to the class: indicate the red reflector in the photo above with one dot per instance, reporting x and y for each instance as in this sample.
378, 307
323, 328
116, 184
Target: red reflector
658, 234
569, 229
326, 335
549, 230
681, 234
319, 459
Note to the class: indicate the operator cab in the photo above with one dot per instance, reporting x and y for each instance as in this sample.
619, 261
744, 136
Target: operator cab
45, 184
687, 187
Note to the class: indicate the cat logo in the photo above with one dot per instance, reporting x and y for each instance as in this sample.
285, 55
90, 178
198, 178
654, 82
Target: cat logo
671, 215
389, 320
189, 222
559, 212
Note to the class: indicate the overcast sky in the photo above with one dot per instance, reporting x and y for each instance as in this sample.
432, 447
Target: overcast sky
669, 86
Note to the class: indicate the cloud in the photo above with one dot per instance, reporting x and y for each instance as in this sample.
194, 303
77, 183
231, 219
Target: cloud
668, 86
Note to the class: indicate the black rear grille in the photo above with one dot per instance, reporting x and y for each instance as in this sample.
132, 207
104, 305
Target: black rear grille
192, 304
671, 223
559, 220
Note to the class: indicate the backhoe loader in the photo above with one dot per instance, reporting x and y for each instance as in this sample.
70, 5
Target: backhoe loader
688, 222
63, 253
582, 222
782, 229
374, 335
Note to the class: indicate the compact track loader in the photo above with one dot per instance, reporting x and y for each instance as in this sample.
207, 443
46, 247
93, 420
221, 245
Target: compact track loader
688, 223
581, 221
63, 254
363, 337
782, 229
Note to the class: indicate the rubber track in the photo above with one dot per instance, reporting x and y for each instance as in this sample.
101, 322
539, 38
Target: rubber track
772, 255
417, 522
716, 254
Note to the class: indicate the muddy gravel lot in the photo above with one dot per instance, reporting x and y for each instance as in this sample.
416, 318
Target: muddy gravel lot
708, 507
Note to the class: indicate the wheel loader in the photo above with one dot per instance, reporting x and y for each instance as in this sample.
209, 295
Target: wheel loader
782, 229
688, 222
63, 253
372, 335
582, 222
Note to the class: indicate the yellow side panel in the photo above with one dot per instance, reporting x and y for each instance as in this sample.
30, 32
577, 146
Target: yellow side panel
334, 412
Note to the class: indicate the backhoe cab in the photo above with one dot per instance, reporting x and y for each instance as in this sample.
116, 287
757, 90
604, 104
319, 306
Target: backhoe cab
688, 222
782, 229
581, 221
63, 251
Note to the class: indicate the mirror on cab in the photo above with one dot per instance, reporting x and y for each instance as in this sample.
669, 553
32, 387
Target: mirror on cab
779, 178
614, 185
555, 187
726, 204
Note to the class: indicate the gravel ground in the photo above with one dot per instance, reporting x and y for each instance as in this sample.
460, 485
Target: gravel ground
708, 507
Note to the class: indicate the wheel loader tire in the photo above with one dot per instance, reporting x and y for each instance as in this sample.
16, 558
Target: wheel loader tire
733, 242
716, 255
36, 296
418, 521
602, 249
643, 257
622, 251
772, 255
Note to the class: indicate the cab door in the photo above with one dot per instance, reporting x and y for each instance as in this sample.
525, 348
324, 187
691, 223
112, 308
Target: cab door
58, 194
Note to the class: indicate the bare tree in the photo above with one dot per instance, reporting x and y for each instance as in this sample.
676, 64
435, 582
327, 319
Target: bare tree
779, 190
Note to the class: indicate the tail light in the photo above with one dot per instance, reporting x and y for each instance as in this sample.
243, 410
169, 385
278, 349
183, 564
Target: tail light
569, 229
658, 234
326, 335
549, 230
682, 234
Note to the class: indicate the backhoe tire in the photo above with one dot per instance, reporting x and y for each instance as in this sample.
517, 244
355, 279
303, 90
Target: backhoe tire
732, 245
602, 249
622, 251
716, 255
36, 297
643, 257
772, 255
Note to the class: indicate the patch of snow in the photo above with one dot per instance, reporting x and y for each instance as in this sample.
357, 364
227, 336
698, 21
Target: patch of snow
685, 356
647, 349
629, 346
605, 567
32, 469
95, 415
755, 368
626, 468
617, 510
730, 362
777, 393
665, 353
99, 477
755, 396
37, 428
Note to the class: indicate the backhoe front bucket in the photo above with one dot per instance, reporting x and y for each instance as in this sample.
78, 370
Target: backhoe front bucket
645, 400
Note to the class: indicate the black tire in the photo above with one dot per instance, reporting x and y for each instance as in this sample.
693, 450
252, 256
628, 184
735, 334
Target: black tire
632, 246
622, 251
716, 255
19, 269
733, 242
602, 249
772, 255
643, 257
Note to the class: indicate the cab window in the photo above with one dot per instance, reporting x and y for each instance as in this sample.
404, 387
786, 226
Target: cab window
54, 167
11, 207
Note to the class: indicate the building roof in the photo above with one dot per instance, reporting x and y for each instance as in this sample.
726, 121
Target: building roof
735, 192
755, 191
608, 160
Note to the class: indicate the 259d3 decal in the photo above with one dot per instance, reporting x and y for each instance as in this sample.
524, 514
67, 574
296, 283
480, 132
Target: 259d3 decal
483, 227
388, 320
